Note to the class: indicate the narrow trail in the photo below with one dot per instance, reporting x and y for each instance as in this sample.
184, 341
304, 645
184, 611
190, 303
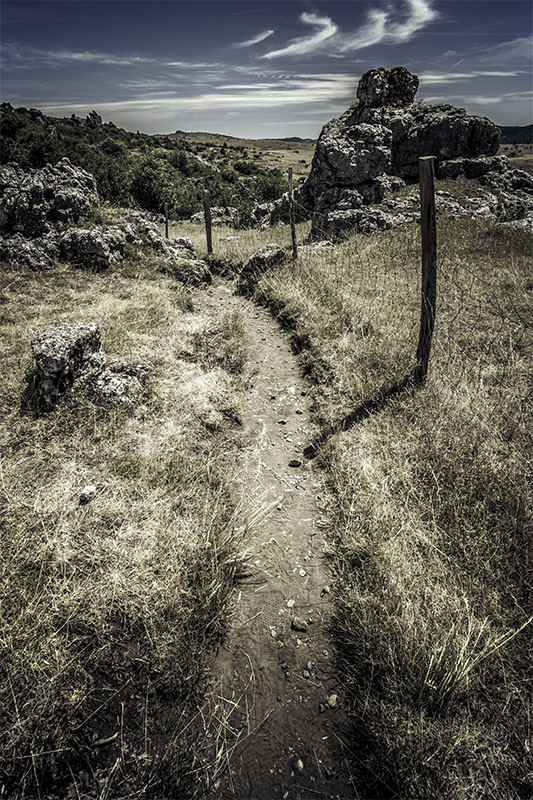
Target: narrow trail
276, 707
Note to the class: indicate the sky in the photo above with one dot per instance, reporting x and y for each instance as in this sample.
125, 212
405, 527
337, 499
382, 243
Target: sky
259, 68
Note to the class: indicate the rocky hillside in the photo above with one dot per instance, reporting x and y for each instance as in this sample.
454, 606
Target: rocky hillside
136, 169
53, 215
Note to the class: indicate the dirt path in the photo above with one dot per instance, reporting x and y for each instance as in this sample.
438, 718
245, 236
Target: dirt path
276, 706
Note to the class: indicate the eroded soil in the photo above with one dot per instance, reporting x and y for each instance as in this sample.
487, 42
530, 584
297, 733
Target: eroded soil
276, 709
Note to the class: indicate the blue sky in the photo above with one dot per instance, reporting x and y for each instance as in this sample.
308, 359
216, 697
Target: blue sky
259, 68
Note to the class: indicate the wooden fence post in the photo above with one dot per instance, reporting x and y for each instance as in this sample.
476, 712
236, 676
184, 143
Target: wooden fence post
291, 217
166, 220
207, 216
429, 265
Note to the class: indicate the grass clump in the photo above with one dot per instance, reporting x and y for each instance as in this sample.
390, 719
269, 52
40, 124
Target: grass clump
429, 500
109, 611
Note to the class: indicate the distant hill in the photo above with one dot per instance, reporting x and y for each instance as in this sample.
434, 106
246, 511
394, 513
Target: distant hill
516, 134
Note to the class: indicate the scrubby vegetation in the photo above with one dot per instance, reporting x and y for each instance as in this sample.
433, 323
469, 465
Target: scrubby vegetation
136, 168
110, 610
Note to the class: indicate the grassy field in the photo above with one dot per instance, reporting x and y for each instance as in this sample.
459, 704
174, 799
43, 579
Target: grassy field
110, 611
429, 498
520, 155
262, 153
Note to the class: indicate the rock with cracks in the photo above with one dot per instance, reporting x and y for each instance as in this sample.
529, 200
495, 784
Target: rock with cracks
372, 151
32, 200
70, 356
266, 258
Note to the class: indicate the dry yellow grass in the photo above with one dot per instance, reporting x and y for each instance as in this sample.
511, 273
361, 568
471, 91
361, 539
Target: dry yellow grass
430, 500
109, 608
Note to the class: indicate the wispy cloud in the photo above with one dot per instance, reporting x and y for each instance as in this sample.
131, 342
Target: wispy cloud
396, 25
98, 58
24, 57
255, 39
298, 90
325, 29
431, 79
190, 64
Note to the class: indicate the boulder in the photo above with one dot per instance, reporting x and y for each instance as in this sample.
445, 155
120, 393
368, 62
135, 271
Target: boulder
32, 200
220, 215
70, 356
93, 120
24, 252
190, 271
85, 248
61, 354
266, 258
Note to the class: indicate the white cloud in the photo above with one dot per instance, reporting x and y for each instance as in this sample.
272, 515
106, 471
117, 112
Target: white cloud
299, 90
189, 64
307, 44
255, 39
450, 53
431, 79
371, 33
390, 26
97, 58
420, 14
474, 99
22, 56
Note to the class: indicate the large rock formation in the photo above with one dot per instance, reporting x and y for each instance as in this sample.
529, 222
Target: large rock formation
373, 149
70, 356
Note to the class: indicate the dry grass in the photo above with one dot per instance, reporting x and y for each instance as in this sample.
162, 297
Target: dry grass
430, 500
109, 611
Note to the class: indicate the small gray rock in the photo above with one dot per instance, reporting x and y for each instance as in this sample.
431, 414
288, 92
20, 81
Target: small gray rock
298, 624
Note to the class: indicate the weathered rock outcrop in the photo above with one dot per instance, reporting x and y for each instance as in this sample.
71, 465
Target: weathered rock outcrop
70, 356
92, 248
269, 256
40, 211
372, 150
31, 201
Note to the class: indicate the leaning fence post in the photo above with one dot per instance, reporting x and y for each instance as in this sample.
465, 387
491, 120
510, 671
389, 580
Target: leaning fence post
166, 220
207, 217
429, 264
291, 217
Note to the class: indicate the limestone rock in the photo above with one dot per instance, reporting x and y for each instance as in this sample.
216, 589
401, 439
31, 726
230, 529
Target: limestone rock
93, 120
384, 87
70, 356
371, 150
266, 258
220, 215
353, 156
190, 271
31, 200
60, 354
26, 252
86, 248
